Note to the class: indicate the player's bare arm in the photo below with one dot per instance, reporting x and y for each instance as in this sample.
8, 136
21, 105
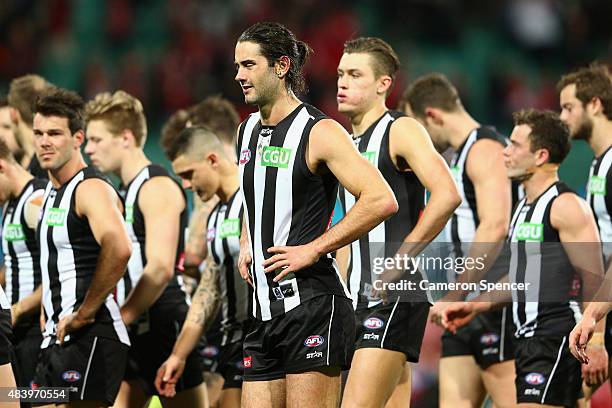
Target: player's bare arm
330, 149
161, 203
97, 202
201, 314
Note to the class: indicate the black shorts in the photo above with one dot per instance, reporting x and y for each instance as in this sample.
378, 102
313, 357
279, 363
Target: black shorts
92, 367
546, 372
320, 332
608, 335
397, 326
27, 350
6, 336
231, 366
152, 343
210, 348
489, 337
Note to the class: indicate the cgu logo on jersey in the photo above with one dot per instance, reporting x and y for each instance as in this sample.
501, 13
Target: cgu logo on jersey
56, 217
528, 231
274, 156
129, 214
597, 185
245, 156
14, 232
370, 156
230, 228
314, 341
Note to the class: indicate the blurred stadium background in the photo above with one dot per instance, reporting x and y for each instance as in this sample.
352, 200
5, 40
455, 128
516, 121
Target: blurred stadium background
503, 55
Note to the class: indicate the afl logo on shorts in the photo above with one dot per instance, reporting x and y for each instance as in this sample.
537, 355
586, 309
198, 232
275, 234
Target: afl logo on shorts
71, 376
245, 156
534, 378
373, 323
489, 338
314, 341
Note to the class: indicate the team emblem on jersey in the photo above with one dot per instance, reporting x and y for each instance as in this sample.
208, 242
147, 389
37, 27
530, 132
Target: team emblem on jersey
274, 156
14, 232
71, 376
535, 378
56, 217
489, 338
314, 341
528, 231
597, 185
245, 156
211, 234
373, 323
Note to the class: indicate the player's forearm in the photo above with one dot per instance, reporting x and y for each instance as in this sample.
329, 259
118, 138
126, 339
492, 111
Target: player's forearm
112, 262
146, 292
3, 276
205, 301
188, 339
28, 305
597, 311
369, 211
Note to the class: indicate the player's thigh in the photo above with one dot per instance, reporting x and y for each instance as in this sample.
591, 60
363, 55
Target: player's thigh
7, 380
193, 397
325, 380
365, 389
269, 394
230, 398
131, 395
460, 382
499, 382
403, 390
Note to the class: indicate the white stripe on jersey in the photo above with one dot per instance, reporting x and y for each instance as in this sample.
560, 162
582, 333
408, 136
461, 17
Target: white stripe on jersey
598, 203
263, 287
135, 266
25, 262
44, 260
4, 303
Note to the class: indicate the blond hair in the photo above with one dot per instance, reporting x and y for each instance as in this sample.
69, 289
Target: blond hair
119, 111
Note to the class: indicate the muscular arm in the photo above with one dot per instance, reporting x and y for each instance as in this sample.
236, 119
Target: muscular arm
99, 204
331, 146
202, 312
195, 247
26, 306
161, 202
410, 142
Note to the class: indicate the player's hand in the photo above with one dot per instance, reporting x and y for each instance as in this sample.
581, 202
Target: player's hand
168, 375
458, 314
580, 336
245, 259
436, 312
290, 259
70, 324
595, 372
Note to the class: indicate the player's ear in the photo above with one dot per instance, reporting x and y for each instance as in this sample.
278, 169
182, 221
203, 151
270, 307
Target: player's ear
384, 83
434, 115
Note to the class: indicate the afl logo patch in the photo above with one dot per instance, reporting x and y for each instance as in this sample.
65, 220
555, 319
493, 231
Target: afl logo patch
489, 338
245, 156
534, 378
71, 376
373, 323
314, 341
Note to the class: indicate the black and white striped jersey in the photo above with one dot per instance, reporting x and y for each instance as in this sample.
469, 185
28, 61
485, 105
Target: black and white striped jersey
385, 239
285, 204
68, 258
223, 240
21, 254
600, 182
135, 224
462, 226
4, 303
549, 305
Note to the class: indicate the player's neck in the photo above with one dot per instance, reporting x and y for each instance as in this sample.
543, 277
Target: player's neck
362, 121
278, 109
134, 160
539, 182
20, 179
459, 125
601, 137
229, 184
63, 174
